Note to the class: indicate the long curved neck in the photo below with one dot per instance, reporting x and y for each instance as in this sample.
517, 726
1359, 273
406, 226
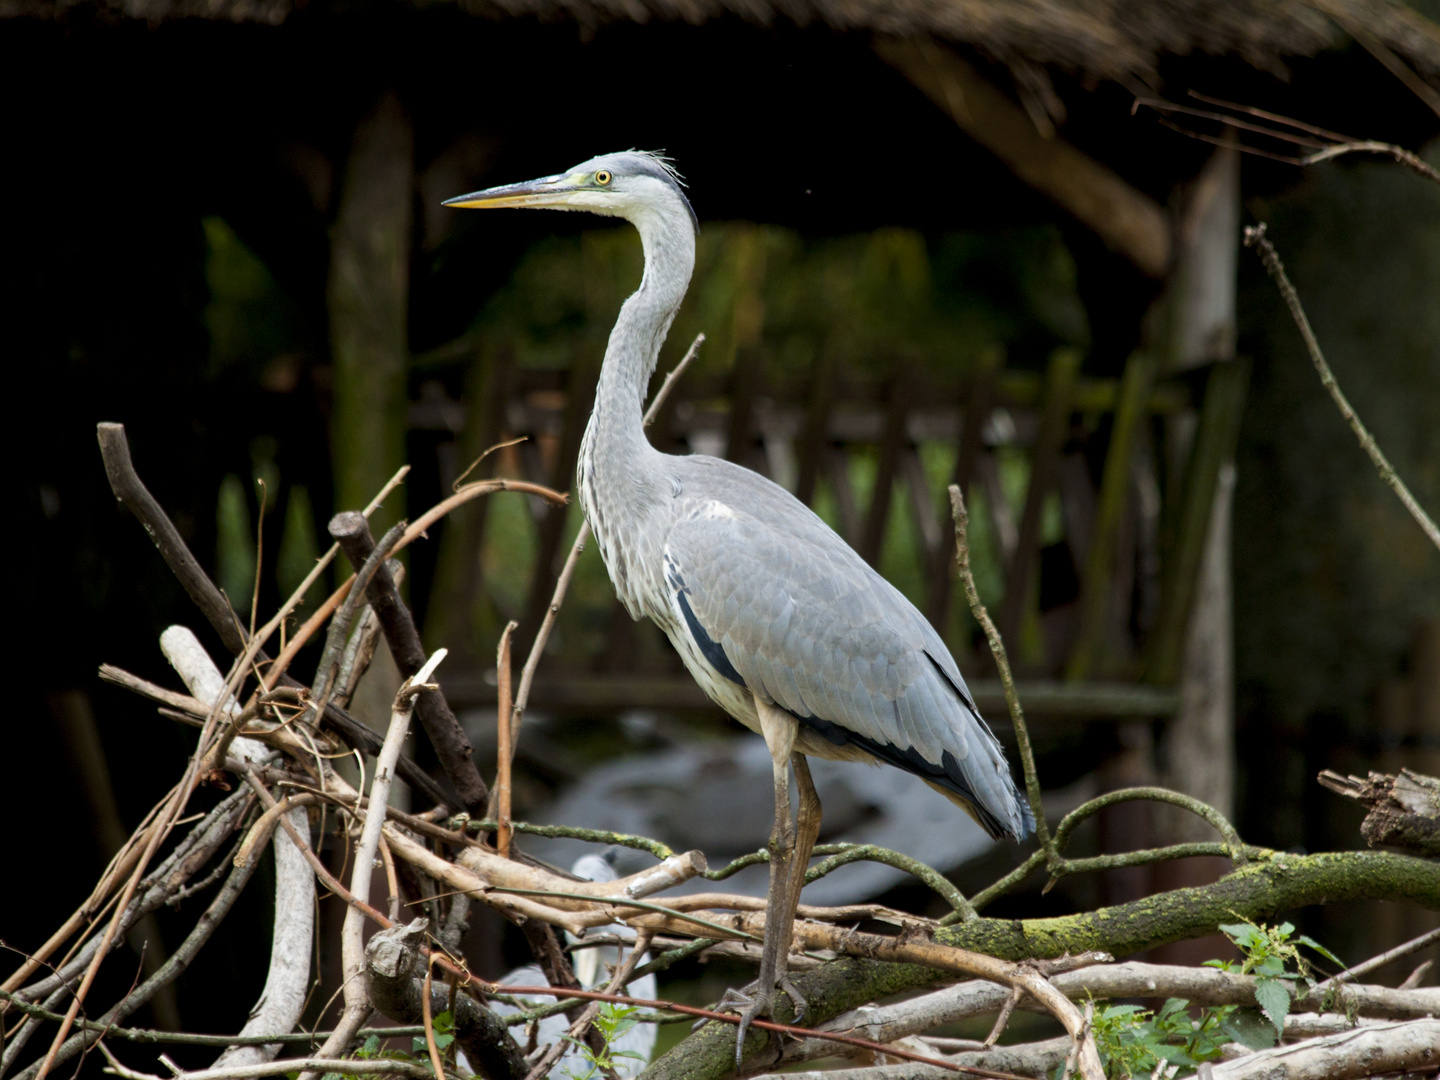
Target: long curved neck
639, 332
620, 472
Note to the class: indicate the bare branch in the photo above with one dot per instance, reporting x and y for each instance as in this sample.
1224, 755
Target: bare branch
1366, 1051
452, 747
357, 1002
1255, 237
1002, 665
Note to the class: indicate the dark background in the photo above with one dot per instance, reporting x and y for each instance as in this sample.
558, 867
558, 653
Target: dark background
117, 138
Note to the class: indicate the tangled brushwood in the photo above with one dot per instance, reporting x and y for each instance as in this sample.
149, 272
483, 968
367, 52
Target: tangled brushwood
276, 738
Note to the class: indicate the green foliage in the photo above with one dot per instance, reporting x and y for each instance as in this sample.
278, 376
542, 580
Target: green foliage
443, 1025
1133, 1041
612, 1022
1275, 961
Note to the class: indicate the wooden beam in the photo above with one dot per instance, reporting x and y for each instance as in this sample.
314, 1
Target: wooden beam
1214, 449
1054, 429
1129, 222
1097, 600
561, 690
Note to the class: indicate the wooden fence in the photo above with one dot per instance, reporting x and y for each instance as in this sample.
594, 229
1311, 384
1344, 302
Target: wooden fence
1095, 605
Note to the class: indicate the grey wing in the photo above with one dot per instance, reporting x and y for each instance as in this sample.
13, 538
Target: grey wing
779, 603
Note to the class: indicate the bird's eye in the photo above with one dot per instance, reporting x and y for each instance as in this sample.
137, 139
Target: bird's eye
603, 177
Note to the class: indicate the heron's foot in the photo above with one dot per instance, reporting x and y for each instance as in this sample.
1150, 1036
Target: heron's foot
756, 1002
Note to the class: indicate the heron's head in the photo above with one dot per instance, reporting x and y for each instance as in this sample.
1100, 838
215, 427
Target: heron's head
632, 184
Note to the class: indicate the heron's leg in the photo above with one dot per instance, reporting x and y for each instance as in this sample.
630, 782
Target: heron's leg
807, 829
779, 729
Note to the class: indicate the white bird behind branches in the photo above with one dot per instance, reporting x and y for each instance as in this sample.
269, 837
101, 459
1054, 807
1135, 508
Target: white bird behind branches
593, 968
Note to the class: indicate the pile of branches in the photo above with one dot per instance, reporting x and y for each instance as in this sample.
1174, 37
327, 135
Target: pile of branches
279, 738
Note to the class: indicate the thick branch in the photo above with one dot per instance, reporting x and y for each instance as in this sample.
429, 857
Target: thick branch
132, 493
453, 749
1259, 890
1404, 809
1128, 221
1198, 985
392, 962
1380, 1048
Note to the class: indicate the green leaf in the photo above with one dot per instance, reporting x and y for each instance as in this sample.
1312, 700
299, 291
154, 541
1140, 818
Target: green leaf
442, 1041
1273, 997
1271, 967
370, 1048
1175, 1055
1245, 935
1310, 942
1249, 1028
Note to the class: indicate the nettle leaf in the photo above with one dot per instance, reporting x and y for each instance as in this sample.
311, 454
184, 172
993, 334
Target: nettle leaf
371, 1047
1175, 1055
442, 1041
1271, 967
1123, 1010
1171, 1006
1273, 997
1246, 936
1249, 1028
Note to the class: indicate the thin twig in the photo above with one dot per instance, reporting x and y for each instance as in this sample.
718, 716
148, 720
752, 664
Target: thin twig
1327, 146
1255, 237
1002, 665
357, 1003
428, 1022
504, 750
440, 725
183, 1038
1414, 945
340, 1066
492, 989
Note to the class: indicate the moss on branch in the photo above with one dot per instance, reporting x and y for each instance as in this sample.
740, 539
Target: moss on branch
1264, 888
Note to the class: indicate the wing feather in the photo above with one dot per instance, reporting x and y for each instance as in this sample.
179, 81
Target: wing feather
810, 627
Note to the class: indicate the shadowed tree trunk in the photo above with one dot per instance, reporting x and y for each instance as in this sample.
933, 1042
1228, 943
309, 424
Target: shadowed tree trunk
367, 296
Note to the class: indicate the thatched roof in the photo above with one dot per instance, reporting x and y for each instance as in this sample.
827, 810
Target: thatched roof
1110, 39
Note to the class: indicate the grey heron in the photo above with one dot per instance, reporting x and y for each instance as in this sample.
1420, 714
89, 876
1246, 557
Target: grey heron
781, 623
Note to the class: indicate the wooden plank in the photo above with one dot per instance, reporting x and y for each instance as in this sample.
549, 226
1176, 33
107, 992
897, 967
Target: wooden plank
579, 400
1214, 445
1054, 428
458, 570
979, 399
1127, 220
892, 442
1098, 600
560, 690
821, 390
837, 472
929, 532
747, 364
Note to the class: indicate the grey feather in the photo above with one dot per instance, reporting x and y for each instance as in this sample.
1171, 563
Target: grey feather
761, 599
